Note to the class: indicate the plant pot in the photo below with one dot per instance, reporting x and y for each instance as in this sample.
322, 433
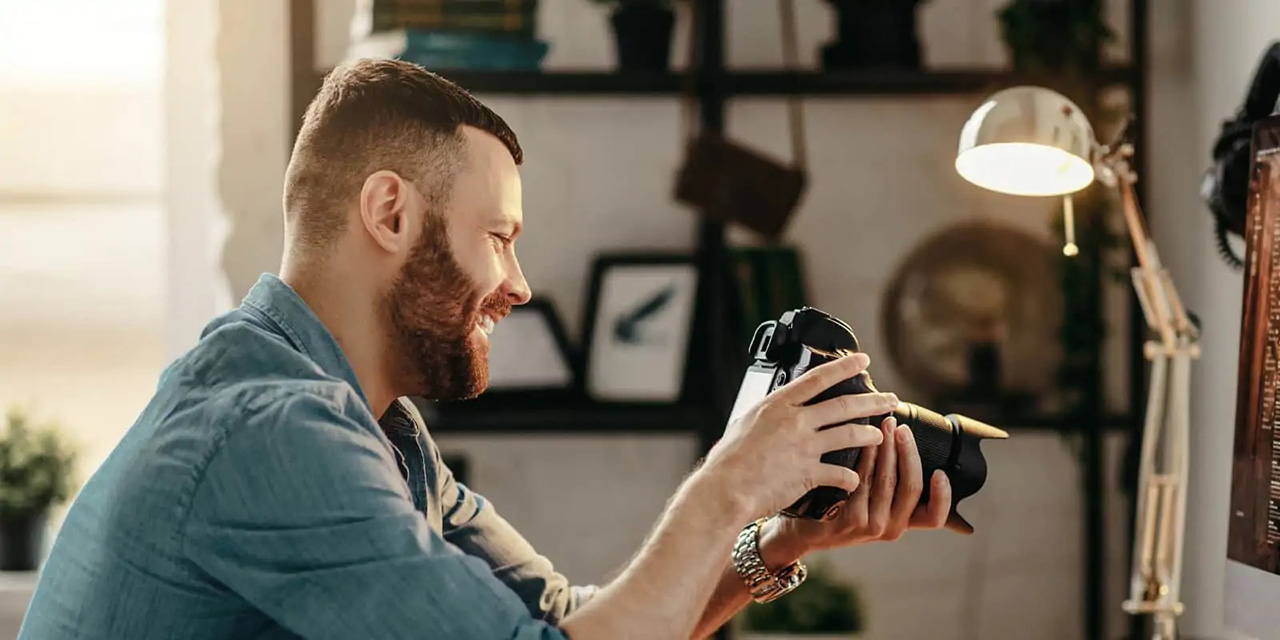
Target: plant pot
1054, 36
874, 34
22, 541
642, 35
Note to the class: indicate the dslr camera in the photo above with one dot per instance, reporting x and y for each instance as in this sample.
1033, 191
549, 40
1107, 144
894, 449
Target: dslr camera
804, 338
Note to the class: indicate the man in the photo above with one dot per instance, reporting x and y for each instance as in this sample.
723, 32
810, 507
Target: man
277, 485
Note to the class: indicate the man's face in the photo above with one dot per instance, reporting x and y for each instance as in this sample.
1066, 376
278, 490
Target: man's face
461, 278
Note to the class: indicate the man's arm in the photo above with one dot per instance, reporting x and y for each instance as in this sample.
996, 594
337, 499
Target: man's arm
664, 589
731, 594
478, 529
473, 525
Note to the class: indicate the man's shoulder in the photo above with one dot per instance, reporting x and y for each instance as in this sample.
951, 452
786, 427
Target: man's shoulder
238, 346
241, 375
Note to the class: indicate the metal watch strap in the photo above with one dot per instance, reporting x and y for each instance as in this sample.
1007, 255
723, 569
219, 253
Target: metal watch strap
763, 584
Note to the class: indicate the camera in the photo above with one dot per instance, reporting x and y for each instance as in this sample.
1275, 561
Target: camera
804, 338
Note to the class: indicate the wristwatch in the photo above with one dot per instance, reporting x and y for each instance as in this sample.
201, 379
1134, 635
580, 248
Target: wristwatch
763, 584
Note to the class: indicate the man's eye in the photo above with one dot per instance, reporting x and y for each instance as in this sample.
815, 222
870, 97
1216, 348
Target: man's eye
500, 240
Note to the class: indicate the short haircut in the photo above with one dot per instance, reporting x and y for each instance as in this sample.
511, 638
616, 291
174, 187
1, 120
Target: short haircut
379, 114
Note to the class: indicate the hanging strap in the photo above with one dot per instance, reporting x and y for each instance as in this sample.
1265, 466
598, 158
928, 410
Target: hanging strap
688, 96
790, 60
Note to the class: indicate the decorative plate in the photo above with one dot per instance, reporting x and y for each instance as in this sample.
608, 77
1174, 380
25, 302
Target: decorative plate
973, 315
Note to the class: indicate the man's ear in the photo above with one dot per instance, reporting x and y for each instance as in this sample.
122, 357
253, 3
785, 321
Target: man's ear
384, 198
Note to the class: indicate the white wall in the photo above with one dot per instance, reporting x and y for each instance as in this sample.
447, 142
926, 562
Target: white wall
195, 222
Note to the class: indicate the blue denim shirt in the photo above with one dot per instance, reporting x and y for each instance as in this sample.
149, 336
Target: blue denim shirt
258, 497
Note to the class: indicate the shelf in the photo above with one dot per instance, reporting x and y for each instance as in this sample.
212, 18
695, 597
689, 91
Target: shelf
581, 417
602, 83
761, 83
1015, 424
23, 582
889, 83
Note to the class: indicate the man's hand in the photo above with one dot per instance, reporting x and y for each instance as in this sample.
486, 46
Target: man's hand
771, 456
883, 507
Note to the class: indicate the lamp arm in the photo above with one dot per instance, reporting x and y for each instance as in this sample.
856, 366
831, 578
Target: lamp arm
1160, 525
1161, 304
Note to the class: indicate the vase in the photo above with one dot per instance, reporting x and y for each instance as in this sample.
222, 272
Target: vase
22, 541
642, 35
874, 34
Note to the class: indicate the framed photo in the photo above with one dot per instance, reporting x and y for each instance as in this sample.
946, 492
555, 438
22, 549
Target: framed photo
636, 328
529, 354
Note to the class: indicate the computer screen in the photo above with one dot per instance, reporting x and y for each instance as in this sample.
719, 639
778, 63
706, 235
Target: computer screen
1253, 541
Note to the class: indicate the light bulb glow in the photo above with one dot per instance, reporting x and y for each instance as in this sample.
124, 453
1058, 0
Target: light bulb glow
1024, 169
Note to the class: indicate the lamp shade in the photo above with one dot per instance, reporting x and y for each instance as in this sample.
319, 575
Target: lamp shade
1027, 141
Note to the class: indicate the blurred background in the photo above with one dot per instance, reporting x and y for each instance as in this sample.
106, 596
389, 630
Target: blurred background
143, 145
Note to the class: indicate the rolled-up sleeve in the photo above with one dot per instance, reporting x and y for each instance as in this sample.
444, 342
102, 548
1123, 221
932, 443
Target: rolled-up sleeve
475, 526
302, 513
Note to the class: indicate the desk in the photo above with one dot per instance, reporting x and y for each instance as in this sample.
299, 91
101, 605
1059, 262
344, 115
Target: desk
15, 594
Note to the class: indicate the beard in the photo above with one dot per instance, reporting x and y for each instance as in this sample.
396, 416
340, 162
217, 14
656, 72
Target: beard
432, 309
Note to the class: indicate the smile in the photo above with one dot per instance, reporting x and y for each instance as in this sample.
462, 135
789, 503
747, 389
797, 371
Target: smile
486, 323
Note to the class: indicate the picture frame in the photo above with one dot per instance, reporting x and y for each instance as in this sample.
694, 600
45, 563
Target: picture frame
530, 356
637, 325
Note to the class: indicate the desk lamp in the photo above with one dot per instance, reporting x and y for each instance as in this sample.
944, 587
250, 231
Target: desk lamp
1033, 141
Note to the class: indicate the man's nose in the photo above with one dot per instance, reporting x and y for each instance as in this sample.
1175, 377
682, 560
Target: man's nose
517, 287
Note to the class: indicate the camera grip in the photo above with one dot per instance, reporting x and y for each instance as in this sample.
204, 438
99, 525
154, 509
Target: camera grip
818, 503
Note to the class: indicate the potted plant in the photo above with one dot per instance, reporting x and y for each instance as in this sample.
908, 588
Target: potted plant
823, 608
1054, 36
642, 33
35, 475
874, 34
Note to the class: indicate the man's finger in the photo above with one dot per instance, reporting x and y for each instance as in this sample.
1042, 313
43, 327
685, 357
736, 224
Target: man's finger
910, 479
850, 436
832, 475
885, 480
933, 514
821, 378
856, 507
848, 407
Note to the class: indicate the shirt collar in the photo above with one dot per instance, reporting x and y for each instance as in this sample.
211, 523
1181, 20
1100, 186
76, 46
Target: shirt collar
402, 418
275, 302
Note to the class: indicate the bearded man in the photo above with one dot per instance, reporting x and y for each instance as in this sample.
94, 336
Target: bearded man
278, 485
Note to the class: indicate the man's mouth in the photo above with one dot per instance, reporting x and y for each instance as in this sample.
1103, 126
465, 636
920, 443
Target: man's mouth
486, 323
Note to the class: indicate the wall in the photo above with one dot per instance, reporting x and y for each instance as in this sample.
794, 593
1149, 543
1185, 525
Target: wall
193, 125
882, 171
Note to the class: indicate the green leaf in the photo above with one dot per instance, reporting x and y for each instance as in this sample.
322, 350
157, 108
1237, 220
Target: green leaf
36, 465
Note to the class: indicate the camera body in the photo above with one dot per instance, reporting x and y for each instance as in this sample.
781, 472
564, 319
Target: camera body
804, 338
